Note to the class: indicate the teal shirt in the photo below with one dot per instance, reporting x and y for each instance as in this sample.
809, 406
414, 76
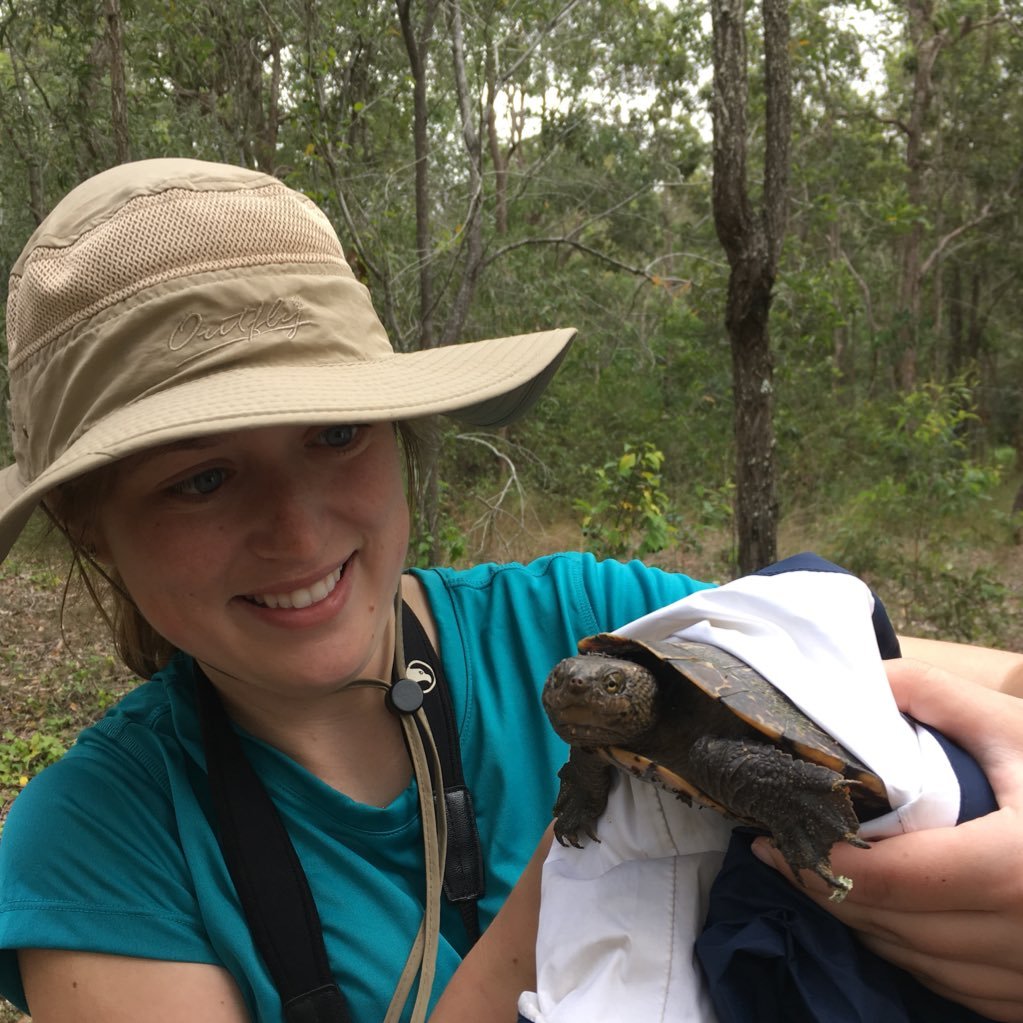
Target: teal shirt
110, 850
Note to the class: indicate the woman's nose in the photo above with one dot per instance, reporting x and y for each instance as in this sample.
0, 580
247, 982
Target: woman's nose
287, 519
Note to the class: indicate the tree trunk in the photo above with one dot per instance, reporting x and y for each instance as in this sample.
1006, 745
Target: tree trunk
752, 243
756, 512
118, 92
472, 224
417, 46
927, 42
497, 156
925, 50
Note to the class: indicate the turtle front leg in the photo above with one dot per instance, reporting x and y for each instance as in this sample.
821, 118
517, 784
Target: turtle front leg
805, 806
585, 784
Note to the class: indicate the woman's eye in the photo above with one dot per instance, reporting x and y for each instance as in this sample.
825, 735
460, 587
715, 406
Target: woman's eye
338, 436
201, 484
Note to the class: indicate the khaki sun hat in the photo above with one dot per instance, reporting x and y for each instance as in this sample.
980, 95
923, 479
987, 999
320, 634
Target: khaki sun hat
173, 298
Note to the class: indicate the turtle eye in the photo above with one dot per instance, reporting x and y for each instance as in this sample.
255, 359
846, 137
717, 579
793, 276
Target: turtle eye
614, 682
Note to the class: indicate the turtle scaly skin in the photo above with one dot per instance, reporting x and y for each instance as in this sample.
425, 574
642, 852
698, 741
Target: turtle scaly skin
703, 724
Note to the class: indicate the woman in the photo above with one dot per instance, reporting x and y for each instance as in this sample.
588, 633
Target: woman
205, 403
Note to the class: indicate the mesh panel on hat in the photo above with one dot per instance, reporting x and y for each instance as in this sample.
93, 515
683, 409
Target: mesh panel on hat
156, 238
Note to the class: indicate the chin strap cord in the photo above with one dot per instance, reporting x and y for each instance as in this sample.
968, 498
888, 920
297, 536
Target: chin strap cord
423, 957
419, 739
405, 699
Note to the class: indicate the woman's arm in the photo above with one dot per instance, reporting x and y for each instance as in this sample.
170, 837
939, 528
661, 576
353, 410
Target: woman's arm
502, 964
947, 904
85, 987
995, 669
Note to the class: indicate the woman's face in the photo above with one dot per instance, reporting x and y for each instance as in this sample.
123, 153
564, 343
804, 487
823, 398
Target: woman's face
271, 555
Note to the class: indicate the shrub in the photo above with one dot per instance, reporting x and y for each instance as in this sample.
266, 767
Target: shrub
629, 516
904, 532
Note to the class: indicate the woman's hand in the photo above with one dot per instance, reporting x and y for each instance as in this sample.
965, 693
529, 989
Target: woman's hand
947, 904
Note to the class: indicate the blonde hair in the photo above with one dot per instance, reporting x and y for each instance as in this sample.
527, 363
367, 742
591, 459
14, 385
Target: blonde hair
74, 508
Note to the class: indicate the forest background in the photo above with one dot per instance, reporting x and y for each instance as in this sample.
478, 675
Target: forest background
501, 166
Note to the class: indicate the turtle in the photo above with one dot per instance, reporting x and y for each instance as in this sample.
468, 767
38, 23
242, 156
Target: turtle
703, 724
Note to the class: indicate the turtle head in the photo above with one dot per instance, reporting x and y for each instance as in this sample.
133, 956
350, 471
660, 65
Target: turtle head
594, 700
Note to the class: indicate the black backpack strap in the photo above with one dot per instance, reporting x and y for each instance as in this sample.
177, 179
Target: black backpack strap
267, 874
265, 868
464, 883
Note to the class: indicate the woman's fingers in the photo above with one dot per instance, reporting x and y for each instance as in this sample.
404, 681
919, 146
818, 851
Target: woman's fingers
946, 904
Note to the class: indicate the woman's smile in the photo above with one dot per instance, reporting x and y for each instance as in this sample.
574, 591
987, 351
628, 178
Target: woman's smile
301, 596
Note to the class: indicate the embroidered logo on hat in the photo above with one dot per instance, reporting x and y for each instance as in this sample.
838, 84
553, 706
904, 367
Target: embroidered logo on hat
281, 315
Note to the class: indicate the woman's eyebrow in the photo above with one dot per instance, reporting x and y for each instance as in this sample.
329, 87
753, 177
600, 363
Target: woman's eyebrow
187, 444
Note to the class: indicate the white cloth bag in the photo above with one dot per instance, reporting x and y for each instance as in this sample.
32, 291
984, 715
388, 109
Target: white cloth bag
619, 918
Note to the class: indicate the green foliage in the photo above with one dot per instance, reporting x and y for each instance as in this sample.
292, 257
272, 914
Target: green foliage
904, 531
21, 759
629, 515
447, 547
714, 506
592, 188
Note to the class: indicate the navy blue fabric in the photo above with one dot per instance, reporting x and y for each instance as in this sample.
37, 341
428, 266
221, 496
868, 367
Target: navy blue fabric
771, 955
976, 797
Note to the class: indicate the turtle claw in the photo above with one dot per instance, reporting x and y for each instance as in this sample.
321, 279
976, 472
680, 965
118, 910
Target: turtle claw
843, 889
569, 834
572, 822
585, 782
840, 884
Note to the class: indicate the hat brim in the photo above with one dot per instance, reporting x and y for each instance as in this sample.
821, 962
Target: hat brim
483, 383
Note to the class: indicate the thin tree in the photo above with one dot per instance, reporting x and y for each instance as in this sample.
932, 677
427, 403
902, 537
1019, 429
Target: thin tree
928, 38
118, 90
752, 240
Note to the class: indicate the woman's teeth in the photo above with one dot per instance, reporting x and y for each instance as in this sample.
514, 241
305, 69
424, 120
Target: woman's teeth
304, 597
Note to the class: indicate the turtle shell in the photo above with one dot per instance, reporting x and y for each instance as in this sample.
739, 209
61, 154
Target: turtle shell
750, 697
